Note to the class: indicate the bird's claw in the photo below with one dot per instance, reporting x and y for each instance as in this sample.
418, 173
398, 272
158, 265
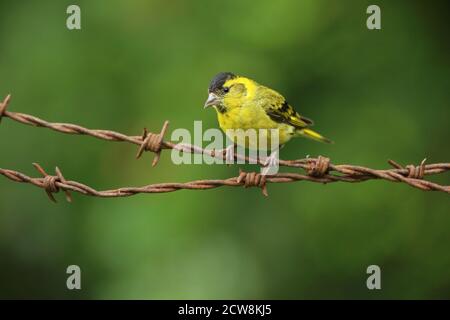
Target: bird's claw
228, 153
271, 164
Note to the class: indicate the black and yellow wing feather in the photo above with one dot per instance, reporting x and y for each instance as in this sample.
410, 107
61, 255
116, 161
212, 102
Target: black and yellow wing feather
279, 110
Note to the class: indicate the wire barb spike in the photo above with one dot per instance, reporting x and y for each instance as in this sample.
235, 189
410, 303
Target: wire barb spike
253, 179
48, 182
4, 105
153, 142
51, 184
319, 167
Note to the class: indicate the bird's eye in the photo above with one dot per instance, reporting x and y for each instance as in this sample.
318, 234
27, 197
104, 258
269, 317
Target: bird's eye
226, 89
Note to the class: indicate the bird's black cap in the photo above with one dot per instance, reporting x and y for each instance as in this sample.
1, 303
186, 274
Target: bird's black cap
218, 81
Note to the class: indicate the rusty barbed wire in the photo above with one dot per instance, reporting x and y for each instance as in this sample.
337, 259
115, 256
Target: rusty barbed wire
344, 173
319, 170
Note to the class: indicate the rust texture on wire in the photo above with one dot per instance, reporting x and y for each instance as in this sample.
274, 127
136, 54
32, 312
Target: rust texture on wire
319, 170
344, 173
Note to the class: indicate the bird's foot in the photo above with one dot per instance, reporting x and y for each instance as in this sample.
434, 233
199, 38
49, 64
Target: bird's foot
228, 154
271, 164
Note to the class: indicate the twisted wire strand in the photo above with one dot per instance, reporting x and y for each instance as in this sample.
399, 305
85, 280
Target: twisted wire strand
54, 183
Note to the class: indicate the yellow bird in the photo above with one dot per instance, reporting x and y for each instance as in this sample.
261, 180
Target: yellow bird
242, 103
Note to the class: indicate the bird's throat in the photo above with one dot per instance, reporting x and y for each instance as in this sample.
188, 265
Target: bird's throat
221, 108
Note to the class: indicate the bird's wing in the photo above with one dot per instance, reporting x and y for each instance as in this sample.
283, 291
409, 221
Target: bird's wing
279, 110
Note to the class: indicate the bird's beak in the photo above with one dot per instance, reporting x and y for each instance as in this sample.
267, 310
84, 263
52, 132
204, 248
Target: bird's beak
212, 100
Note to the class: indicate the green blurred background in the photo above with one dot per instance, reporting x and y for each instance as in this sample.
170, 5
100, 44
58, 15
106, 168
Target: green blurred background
379, 94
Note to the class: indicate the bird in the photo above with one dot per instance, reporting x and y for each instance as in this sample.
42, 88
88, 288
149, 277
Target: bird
242, 103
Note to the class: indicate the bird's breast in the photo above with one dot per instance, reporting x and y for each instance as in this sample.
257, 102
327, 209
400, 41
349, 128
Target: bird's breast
245, 118
253, 117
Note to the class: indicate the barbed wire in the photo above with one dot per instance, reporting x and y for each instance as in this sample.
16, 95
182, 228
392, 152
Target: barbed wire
319, 170
54, 183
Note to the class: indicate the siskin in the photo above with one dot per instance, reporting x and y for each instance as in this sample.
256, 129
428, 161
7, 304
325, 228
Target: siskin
242, 103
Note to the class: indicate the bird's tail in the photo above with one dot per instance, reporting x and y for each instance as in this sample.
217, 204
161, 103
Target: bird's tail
313, 135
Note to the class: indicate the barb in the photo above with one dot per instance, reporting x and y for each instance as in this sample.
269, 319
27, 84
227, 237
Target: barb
153, 142
3, 106
341, 173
